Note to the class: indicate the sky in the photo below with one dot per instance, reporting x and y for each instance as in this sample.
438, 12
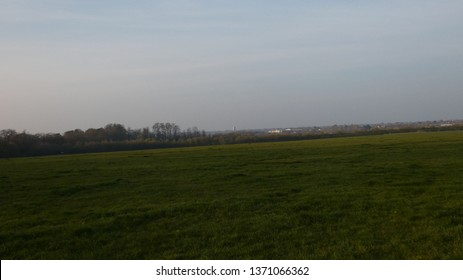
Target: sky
215, 64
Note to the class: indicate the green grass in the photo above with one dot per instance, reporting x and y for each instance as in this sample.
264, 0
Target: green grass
377, 197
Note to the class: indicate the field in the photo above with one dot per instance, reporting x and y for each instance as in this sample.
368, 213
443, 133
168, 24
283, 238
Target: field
397, 196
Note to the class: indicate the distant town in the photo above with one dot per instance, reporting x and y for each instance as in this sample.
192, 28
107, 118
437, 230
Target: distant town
351, 128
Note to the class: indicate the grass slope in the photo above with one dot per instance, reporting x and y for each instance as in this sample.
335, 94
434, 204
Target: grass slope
377, 197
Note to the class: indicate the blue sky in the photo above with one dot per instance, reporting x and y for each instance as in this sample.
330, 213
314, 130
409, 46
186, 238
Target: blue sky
217, 64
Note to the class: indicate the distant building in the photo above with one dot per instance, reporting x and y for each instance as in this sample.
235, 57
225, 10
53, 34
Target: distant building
275, 131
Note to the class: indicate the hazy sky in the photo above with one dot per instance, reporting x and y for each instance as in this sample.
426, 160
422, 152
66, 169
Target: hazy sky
215, 64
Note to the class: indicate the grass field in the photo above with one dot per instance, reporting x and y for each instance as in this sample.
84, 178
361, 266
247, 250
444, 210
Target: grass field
397, 196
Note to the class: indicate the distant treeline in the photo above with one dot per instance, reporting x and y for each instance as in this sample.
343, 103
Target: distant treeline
116, 137
112, 137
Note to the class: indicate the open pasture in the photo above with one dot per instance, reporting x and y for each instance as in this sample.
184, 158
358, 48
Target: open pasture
397, 196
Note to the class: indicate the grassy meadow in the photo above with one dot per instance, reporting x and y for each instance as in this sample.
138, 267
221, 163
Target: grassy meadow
397, 196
